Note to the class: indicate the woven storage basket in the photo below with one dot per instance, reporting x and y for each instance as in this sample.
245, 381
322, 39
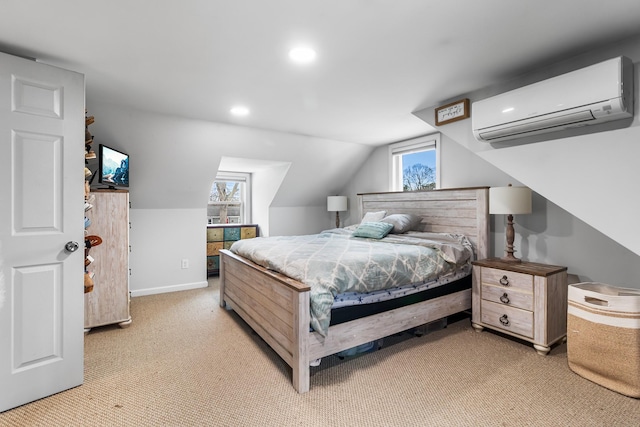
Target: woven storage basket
603, 336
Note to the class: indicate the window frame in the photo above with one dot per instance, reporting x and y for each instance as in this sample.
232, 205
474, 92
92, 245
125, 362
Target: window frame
414, 145
245, 204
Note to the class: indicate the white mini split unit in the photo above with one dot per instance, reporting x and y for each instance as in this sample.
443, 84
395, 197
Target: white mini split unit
596, 94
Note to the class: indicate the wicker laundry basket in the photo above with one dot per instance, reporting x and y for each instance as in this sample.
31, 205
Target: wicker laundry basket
603, 336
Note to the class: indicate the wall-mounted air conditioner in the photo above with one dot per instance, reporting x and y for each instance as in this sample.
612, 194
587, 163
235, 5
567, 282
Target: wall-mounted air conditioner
599, 93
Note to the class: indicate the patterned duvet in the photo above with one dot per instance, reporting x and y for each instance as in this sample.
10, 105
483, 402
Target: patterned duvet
335, 262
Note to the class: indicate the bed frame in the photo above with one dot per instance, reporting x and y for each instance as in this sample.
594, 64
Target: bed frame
277, 307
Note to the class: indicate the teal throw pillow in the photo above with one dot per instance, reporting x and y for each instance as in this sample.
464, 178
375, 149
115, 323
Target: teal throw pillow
373, 230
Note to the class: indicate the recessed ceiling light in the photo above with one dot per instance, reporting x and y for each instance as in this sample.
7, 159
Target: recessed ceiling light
240, 110
302, 55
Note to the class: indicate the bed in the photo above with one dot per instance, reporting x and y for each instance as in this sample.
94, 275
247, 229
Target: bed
277, 307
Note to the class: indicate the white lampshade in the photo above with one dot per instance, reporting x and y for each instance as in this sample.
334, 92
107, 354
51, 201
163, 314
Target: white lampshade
336, 203
509, 200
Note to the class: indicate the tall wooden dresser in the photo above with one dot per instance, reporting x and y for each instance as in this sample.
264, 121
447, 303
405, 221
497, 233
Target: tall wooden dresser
108, 303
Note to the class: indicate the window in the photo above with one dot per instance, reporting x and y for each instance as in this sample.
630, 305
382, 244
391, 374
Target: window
230, 199
414, 164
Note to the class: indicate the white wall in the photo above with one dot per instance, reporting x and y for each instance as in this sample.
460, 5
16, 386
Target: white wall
265, 185
173, 164
373, 176
158, 247
299, 220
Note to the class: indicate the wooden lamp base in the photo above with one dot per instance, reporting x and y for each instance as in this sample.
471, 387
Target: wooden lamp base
509, 257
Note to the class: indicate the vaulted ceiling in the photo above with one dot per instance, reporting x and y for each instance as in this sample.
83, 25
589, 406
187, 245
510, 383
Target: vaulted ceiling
377, 60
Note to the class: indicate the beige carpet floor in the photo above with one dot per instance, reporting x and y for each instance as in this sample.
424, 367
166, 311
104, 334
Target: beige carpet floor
186, 362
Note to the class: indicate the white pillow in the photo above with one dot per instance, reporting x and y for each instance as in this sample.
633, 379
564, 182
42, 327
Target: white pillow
402, 222
373, 216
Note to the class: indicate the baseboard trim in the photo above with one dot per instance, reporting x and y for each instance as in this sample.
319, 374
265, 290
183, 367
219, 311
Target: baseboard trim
165, 289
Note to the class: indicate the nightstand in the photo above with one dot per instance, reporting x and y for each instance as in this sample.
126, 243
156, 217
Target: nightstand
526, 300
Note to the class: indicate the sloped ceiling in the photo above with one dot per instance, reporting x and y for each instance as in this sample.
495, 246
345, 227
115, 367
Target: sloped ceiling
377, 60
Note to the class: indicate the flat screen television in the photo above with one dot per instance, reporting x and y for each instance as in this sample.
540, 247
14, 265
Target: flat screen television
113, 169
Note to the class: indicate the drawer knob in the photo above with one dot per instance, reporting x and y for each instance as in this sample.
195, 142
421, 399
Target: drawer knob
504, 320
504, 281
505, 298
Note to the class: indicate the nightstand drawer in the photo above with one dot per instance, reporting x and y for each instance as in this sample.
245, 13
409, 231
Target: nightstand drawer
506, 296
506, 279
507, 318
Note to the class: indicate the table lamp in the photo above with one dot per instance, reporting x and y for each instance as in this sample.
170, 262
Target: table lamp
509, 201
337, 204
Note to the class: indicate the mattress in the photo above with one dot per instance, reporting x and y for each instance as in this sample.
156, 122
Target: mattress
357, 311
349, 299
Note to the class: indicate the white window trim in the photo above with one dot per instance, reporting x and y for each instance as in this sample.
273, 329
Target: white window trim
239, 177
409, 146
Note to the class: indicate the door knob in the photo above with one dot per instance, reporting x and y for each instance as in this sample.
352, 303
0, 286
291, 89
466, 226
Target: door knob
71, 246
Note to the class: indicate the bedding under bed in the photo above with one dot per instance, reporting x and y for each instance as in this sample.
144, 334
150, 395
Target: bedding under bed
351, 312
343, 270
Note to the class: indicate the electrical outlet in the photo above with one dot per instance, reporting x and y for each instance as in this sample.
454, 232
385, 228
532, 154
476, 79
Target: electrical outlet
185, 263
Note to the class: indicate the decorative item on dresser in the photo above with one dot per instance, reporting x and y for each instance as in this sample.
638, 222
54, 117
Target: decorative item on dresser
88, 177
222, 236
337, 204
525, 300
509, 201
108, 303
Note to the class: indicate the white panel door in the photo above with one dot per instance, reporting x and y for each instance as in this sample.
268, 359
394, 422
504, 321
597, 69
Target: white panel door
41, 210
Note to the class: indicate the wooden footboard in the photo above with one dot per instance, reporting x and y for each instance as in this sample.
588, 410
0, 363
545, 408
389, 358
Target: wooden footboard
275, 306
356, 332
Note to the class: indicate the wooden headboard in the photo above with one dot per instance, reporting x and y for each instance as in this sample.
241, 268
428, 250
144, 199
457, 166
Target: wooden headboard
456, 210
